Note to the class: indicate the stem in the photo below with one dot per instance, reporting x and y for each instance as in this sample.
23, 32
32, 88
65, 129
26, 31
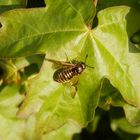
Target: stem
95, 2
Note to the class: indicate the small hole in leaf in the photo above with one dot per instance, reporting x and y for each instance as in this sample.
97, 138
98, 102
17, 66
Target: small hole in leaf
1, 72
95, 22
35, 3
0, 25
31, 69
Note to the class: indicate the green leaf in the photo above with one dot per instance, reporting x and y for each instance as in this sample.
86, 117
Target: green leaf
44, 34
57, 105
102, 4
64, 132
123, 129
113, 55
87, 12
9, 96
132, 114
6, 5
9, 102
109, 96
13, 2
8, 72
121, 126
23, 62
10, 128
39, 30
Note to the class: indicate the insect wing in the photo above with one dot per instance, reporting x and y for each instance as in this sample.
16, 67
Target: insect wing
61, 64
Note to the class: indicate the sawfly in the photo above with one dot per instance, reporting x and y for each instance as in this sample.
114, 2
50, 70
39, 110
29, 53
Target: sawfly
68, 70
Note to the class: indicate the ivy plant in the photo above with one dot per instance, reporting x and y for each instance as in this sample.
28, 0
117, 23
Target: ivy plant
35, 107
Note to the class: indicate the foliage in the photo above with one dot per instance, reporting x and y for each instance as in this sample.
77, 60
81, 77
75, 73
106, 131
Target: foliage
34, 106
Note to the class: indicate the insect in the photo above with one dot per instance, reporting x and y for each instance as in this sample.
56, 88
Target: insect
68, 70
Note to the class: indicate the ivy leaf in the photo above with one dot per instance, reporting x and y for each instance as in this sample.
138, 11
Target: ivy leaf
6, 5
110, 96
35, 31
65, 132
9, 102
8, 72
10, 96
43, 36
23, 62
38, 31
114, 58
121, 127
87, 13
13, 2
102, 4
132, 114
57, 101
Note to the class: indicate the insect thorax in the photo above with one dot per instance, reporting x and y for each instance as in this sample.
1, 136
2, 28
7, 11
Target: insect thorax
80, 68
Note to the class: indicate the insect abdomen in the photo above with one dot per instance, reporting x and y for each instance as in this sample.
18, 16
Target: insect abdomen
62, 75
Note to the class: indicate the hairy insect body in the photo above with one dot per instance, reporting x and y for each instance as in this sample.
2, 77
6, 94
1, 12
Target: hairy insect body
68, 70
66, 74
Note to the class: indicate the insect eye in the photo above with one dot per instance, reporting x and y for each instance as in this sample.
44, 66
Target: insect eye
79, 69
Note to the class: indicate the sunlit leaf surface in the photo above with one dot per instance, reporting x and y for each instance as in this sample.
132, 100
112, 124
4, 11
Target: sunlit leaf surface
63, 30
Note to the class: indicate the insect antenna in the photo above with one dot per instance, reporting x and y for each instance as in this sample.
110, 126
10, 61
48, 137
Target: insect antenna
86, 60
89, 66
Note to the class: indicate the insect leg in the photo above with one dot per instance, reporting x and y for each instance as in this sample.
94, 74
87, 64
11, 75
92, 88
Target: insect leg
74, 90
74, 85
